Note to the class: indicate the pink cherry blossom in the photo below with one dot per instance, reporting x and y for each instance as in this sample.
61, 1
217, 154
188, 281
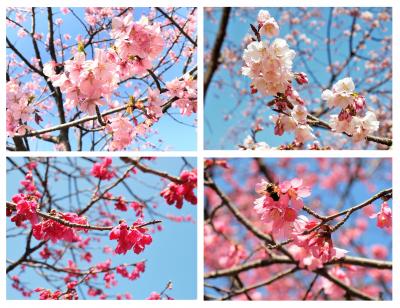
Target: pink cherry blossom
122, 132
184, 190
49, 229
281, 209
384, 216
267, 24
128, 238
25, 209
103, 170
316, 240
269, 66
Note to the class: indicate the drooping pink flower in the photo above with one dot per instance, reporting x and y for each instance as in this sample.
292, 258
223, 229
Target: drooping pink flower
134, 237
103, 169
49, 229
317, 241
121, 205
177, 192
26, 209
384, 216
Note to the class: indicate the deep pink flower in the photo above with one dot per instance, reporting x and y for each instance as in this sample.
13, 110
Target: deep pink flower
49, 229
134, 237
102, 170
154, 296
121, 205
177, 192
26, 209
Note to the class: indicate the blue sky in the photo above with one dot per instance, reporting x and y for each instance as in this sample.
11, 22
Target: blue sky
167, 127
227, 134
171, 257
329, 198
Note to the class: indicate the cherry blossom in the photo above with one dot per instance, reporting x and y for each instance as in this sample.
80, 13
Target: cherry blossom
384, 216
267, 24
128, 238
308, 236
19, 108
285, 69
178, 192
315, 240
84, 219
49, 229
103, 170
280, 204
269, 65
342, 94
80, 84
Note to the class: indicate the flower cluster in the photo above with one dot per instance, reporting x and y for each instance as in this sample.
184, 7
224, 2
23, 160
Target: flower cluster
88, 84
51, 229
45, 294
269, 66
19, 108
134, 237
296, 122
267, 24
25, 209
137, 44
184, 92
315, 240
122, 132
280, 204
352, 119
85, 83
135, 274
182, 190
70, 294
102, 170
26, 201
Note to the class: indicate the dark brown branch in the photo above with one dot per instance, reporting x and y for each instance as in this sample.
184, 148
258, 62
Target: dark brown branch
215, 52
177, 26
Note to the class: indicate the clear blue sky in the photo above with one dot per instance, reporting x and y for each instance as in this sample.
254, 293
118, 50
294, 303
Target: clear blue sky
227, 134
167, 127
171, 257
330, 199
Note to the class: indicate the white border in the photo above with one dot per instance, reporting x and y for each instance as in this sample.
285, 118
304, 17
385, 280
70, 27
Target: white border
200, 153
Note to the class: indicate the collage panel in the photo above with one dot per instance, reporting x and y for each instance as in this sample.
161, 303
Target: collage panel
101, 228
94, 79
298, 78
298, 229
